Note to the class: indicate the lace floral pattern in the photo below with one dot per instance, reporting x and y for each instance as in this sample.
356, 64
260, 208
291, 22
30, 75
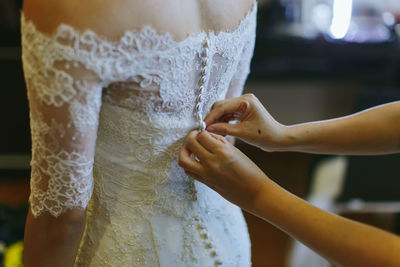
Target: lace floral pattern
108, 120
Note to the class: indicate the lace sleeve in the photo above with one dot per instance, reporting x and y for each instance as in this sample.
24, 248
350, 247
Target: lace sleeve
243, 69
64, 102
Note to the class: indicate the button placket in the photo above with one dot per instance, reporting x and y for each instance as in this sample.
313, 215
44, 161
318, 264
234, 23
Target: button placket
203, 81
202, 85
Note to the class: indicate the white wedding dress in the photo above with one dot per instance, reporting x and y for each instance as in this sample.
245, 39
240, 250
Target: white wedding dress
108, 120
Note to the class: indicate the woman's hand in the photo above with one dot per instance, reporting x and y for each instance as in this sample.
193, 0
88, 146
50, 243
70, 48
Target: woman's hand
369, 132
256, 126
222, 167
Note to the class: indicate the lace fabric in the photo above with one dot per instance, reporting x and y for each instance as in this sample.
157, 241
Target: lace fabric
108, 120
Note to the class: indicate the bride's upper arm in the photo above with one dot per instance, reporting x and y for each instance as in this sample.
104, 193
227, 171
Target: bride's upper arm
64, 101
109, 19
45, 14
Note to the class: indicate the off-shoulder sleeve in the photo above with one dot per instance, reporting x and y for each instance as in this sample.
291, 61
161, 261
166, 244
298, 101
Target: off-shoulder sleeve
64, 102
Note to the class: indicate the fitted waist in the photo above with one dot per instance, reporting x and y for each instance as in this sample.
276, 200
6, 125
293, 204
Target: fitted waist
181, 119
142, 185
123, 134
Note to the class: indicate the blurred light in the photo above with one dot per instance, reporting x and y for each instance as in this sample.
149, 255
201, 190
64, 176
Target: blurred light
388, 18
341, 19
322, 17
359, 34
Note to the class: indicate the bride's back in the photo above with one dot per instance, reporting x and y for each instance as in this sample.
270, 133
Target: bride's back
113, 18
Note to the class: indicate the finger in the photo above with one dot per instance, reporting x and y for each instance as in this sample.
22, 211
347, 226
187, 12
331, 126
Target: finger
230, 106
189, 163
237, 115
218, 137
226, 117
209, 142
223, 128
195, 176
193, 145
200, 179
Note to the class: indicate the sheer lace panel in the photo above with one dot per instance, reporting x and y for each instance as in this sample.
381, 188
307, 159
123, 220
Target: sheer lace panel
64, 99
243, 69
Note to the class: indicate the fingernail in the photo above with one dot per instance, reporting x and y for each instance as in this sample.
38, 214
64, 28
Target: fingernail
210, 128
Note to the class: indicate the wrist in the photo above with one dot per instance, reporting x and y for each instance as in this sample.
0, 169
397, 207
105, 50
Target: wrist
275, 205
290, 139
282, 140
266, 197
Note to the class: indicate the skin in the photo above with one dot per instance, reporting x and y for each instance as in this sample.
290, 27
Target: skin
53, 241
177, 17
50, 241
228, 171
371, 132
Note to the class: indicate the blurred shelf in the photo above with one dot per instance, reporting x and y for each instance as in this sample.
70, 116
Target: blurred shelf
277, 57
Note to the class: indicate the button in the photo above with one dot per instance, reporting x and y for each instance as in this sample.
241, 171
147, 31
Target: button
200, 226
202, 126
217, 263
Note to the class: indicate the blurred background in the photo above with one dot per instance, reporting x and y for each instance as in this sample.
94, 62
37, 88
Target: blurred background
314, 59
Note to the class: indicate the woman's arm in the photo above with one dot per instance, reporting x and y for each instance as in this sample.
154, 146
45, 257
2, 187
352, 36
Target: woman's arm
228, 171
51, 241
64, 104
373, 131
341, 241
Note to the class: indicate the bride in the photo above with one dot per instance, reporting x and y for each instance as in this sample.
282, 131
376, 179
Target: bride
113, 88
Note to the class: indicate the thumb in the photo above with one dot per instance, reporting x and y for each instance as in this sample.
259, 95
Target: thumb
223, 128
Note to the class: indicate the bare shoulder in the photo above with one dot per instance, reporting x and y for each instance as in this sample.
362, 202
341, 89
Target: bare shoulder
111, 18
101, 16
225, 15
47, 14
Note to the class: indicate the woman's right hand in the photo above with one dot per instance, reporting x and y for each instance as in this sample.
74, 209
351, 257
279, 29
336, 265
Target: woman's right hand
255, 125
214, 161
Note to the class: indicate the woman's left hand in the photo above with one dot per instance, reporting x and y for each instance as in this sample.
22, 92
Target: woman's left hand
222, 167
